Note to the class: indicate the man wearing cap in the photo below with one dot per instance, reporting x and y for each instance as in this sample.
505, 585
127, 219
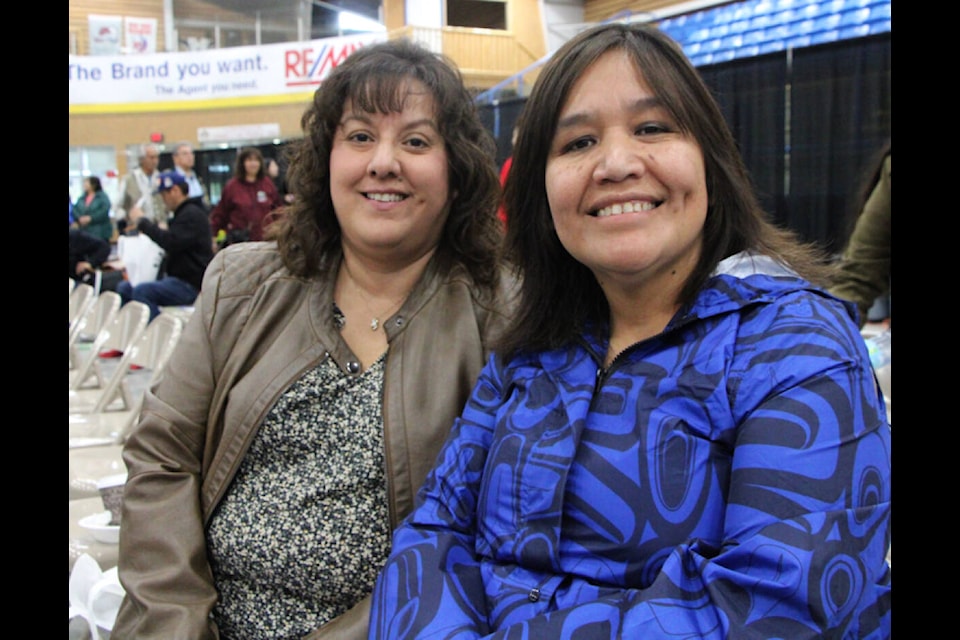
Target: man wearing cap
186, 246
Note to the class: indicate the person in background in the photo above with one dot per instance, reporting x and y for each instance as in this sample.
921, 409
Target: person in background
92, 210
864, 266
183, 163
186, 246
504, 172
273, 170
680, 435
138, 189
247, 200
87, 252
70, 209
321, 369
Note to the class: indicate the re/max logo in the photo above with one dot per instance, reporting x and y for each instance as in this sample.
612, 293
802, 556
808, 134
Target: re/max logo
303, 67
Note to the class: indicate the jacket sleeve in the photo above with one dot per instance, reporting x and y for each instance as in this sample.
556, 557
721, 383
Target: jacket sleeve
864, 271
220, 215
163, 560
182, 232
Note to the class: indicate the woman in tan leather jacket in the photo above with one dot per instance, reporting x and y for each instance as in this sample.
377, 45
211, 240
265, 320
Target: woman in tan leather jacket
321, 370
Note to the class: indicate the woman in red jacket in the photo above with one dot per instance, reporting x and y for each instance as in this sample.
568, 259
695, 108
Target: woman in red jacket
247, 199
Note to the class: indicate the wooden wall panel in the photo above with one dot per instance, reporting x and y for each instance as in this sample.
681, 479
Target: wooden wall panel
600, 10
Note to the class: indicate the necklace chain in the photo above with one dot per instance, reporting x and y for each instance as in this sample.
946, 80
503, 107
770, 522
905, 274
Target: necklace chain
375, 317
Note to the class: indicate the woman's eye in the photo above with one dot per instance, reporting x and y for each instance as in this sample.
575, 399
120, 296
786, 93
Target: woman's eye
418, 143
652, 128
577, 144
358, 136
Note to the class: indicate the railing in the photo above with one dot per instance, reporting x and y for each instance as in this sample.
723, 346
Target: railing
484, 56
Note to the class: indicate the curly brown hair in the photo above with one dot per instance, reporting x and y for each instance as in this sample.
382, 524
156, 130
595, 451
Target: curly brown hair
375, 79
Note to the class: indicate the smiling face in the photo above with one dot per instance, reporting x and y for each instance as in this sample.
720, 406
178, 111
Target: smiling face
389, 180
627, 190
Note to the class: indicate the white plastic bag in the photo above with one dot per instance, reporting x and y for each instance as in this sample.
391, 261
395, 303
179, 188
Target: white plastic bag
141, 258
95, 595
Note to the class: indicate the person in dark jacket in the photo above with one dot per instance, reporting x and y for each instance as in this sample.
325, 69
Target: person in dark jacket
87, 252
186, 244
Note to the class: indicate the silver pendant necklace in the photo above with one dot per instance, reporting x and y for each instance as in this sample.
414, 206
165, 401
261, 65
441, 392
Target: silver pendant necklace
374, 317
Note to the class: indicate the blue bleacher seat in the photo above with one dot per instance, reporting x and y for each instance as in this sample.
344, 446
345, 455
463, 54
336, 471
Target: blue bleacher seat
699, 35
881, 10
771, 46
758, 27
760, 22
719, 30
821, 37
827, 22
702, 59
879, 26
724, 55
855, 31
710, 46
752, 38
802, 28
855, 16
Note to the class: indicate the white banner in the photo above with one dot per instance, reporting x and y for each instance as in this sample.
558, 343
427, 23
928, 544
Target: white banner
105, 34
217, 77
140, 35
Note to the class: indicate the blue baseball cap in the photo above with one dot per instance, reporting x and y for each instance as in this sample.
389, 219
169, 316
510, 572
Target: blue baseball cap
170, 178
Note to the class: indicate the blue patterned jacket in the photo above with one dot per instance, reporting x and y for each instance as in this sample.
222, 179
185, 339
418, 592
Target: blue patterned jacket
728, 478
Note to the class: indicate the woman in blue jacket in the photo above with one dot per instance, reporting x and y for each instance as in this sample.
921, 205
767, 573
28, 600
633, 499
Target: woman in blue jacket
682, 436
92, 210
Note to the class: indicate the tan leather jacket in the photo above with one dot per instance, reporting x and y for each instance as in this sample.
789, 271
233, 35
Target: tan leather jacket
255, 329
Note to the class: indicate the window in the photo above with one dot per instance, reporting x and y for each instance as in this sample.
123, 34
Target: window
92, 161
479, 14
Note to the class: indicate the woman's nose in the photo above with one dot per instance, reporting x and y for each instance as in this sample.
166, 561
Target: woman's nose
619, 159
384, 162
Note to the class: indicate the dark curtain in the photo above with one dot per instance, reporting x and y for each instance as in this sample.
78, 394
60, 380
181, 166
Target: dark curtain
752, 94
500, 119
840, 117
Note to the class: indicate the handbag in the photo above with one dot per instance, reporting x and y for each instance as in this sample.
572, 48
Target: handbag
141, 258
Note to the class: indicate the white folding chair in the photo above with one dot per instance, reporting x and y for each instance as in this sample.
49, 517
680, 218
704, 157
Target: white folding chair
118, 334
96, 317
118, 406
81, 296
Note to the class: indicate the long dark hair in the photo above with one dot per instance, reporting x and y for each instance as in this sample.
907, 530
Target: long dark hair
375, 79
552, 279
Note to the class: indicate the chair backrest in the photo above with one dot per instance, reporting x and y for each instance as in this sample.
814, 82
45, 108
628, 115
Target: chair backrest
96, 317
81, 297
150, 352
121, 332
